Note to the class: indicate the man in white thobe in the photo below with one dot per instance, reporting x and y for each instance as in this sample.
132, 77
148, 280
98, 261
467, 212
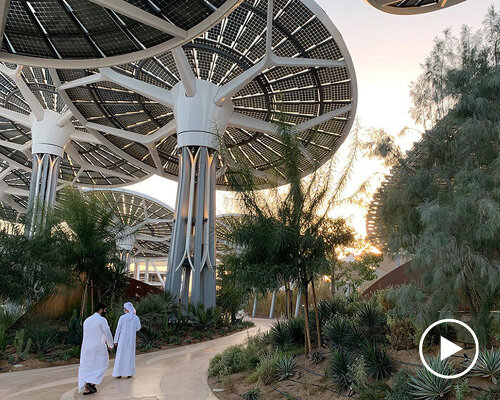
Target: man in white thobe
94, 359
125, 338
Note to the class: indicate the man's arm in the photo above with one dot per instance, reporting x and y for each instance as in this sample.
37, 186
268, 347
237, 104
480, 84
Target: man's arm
107, 333
118, 331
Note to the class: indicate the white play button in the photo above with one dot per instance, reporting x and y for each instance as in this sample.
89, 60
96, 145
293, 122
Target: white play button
448, 348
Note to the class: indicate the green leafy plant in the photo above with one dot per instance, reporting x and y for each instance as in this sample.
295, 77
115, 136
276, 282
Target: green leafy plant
3, 337
252, 394
340, 334
295, 331
371, 323
427, 386
493, 394
279, 334
230, 361
339, 364
400, 389
75, 330
487, 365
378, 363
402, 334
376, 391
200, 317
317, 356
22, 349
358, 375
43, 336
286, 367
461, 388
149, 338
265, 372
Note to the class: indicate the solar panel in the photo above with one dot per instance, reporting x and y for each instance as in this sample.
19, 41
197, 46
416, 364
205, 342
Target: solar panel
61, 33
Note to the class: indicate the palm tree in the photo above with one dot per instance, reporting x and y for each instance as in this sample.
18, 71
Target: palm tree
87, 245
286, 235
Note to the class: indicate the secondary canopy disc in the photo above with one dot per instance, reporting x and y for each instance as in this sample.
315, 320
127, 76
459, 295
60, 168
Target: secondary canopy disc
90, 33
410, 7
86, 160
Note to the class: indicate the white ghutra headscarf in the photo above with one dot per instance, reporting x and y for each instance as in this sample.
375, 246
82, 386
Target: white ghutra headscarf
129, 307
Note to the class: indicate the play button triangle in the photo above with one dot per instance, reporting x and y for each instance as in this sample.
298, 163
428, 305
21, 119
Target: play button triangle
448, 348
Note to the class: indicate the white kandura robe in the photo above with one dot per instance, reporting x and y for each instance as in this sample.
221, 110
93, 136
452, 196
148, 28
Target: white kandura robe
94, 359
125, 336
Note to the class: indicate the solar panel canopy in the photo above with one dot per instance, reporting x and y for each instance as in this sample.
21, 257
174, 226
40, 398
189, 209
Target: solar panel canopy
14, 189
66, 33
85, 161
289, 93
147, 220
410, 7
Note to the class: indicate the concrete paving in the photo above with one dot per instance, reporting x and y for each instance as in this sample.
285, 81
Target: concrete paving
174, 374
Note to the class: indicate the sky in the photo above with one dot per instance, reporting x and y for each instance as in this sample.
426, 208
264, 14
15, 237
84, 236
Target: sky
387, 51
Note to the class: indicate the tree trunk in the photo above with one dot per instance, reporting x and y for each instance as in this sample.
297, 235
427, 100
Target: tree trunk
306, 321
316, 315
332, 278
288, 313
84, 299
91, 295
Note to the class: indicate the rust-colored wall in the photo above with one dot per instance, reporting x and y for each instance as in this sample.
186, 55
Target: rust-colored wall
397, 277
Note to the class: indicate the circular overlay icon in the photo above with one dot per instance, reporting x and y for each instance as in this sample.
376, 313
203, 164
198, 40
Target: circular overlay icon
448, 348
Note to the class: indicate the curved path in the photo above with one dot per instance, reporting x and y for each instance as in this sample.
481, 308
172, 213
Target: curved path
174, 374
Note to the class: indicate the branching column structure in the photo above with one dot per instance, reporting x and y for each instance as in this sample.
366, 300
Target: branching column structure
202, 111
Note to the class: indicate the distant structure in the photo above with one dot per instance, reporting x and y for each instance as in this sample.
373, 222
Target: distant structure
412, 7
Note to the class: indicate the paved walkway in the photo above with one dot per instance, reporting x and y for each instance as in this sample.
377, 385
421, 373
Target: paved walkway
174, 374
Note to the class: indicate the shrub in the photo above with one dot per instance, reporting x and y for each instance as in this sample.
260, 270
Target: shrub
461, 389
317, 356
357, 374
230, 361
203, 318
340, 334
487, 365
253, 394
295, 328
150, 338
22, 349
265, 371
75, 330
493, 394
376, 391
327, 309
339, 365
286, 367
44, 337
402, 334
3, 337
371, 322
378, 363
427, 386
255, 346
154, 307
400, 389
279, 334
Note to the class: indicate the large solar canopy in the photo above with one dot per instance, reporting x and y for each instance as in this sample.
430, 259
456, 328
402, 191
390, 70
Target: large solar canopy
296, 93
148, 220
86, 161
86, 33
410, 7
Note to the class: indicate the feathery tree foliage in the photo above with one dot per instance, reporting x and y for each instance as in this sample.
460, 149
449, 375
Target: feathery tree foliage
87, 244
285, 235
444, 210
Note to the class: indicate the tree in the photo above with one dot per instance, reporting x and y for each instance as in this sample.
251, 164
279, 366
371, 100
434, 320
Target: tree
87, 245
231, 295
444, 211
30, 267
286, 235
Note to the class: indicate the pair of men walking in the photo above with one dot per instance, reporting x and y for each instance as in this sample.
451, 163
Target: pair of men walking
97, 338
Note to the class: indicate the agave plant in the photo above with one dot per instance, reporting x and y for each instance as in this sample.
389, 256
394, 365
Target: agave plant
201, 317
372, 323
487, 365
296, 331
341, 334
317, 356
339, 369
378, 363
286, 367
252, 394
427, 386
279, 334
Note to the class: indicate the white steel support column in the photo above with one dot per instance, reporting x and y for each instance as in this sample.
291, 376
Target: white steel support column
42, 192
254, 309
297, 303
273, 303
